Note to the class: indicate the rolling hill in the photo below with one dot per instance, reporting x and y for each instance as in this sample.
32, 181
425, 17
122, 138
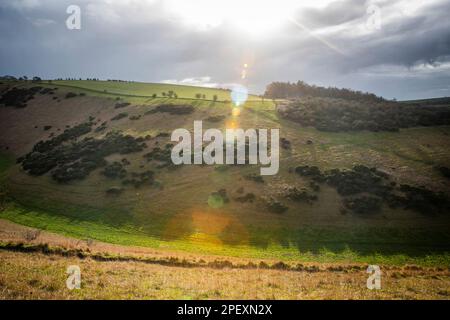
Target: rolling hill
91, 160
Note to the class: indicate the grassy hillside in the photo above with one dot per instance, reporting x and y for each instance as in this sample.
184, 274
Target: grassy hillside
142, 89
218, 209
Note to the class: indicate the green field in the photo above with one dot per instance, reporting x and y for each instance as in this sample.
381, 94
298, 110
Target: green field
173, 213
146, 90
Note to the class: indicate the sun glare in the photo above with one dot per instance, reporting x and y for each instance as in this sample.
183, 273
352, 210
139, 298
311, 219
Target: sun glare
252, 16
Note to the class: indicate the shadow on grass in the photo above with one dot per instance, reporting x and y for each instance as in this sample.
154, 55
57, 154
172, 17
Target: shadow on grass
117, 226
361, 241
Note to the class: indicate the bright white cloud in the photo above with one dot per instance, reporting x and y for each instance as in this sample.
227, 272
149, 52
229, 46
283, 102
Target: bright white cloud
194, 81
255, 17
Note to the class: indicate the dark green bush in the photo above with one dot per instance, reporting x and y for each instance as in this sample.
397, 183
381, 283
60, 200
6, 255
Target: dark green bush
119, 116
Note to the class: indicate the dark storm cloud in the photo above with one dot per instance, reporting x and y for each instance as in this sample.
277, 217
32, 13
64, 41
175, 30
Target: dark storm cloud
335, 13
139, 40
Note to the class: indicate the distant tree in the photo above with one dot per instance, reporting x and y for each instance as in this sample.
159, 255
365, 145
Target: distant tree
164, 94
198, 95
36, 79
215, 97
175, 96
154, 95
287, 90
204, 96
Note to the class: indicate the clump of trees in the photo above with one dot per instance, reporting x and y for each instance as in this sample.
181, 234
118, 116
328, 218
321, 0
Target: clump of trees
75, 160
275, 206
216, 118
101, 127
119, 116
18, 97
363, 204
445, 171
200, 96
121, 105
287, 90
70, 95
364, 190
114, 170
68, 134
285, 143
139, 179
135, 117
172, 94
299, 195
161, 155
172, 109
329, 114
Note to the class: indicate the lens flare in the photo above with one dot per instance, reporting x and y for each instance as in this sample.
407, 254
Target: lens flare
239, 94
235, 112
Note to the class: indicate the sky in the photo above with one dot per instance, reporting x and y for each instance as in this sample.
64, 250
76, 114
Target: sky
393, 48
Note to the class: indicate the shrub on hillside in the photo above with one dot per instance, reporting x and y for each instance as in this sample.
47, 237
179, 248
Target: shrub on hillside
217, 118
249, 197
70, 95
114, 170
299, 195
75, 160
275, 206
114, 191
121, 105
444, 171
161, 155
140, 179
172, 109
254, 177
363, 204
374, 186
119, 116
18, 97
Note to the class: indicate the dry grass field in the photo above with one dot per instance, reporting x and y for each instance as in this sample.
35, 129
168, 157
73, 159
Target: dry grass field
29, 271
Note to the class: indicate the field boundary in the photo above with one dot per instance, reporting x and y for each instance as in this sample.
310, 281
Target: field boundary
184, 263
135, 95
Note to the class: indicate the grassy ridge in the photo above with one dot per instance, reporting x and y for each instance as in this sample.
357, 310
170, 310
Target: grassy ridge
141, 89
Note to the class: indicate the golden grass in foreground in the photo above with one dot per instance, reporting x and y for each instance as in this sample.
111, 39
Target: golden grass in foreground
40, 276
37, 270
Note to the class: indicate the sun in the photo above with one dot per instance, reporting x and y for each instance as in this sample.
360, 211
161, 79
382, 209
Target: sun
256, 17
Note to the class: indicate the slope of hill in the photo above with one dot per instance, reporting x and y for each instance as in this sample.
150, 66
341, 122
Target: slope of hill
147, 90
96, 164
